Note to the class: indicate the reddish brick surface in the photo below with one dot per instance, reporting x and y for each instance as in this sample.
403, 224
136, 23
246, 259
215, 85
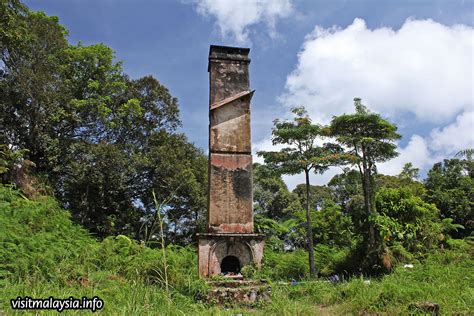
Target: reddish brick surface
230, 194
230, 214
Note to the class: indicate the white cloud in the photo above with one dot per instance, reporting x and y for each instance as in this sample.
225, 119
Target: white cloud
234, 17
456, 136
424, 68
263, 145
440, 144
416, 152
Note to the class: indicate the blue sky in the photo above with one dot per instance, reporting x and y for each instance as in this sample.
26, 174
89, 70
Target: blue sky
411, 61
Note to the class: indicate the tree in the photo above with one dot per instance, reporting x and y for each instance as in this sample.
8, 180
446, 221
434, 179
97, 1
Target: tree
450, 186
346, 190
101, 140
318, 194
345, 186
409, 172
371, 140
274, 208
467, 154
271, 196
407, 179
332, 227
99, 188
177, 171
31, 48
302, 154
405, 219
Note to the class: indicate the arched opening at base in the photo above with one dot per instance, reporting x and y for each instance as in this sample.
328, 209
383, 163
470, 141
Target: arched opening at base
230, 265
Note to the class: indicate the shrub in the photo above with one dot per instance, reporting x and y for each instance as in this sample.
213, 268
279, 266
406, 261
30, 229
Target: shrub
285, 265
329, 259
406, 219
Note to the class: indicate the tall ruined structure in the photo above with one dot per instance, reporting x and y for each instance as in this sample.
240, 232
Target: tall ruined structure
229, 243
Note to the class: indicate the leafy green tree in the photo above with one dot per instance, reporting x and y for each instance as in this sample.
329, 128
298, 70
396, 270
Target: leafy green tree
98, 187
409, 172
345, 185
107, 120
406, 219
271, 196
102, 140
371, 140
177, 171
467, 154
30, 50
394, 182
302, 154
274, 208
318, 194
13, 26
332, 227
346, 191
450, 187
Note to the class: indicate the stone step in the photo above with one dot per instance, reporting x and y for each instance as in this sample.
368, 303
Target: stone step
237, 283
239, 292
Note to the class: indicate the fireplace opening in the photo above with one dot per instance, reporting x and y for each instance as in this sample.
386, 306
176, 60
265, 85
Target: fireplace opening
230, 265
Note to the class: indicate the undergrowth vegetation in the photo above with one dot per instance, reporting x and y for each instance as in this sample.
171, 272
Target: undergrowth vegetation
44, 254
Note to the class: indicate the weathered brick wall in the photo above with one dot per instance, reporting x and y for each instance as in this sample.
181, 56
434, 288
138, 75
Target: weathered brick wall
230, 159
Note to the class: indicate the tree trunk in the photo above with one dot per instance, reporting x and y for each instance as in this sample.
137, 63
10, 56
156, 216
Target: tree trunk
370, 206
309, 229
368, 198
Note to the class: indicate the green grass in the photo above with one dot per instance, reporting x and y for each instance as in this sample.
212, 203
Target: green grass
44, 254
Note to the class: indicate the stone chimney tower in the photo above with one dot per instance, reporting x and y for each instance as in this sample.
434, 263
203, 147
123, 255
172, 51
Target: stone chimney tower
229, 243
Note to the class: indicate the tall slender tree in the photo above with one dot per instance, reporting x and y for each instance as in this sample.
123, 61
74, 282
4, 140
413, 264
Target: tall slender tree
301, 154
370, 139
